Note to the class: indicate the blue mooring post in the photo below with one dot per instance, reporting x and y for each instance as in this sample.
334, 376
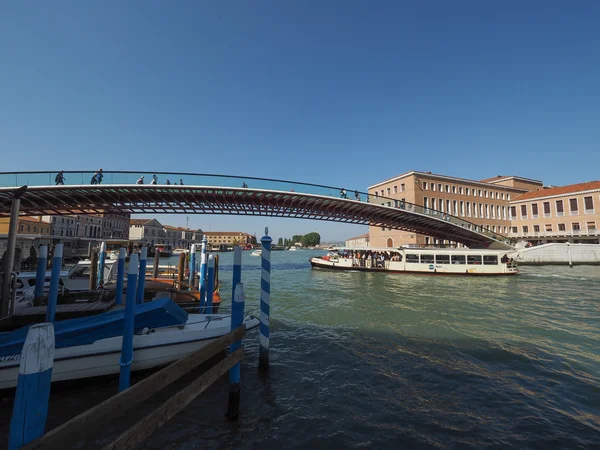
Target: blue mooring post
203, 272
101, 259
127, 347
40, 277
265, 303
193, 267
54, 283
142, 275
210, 284
120, 276
33, 386
237, 318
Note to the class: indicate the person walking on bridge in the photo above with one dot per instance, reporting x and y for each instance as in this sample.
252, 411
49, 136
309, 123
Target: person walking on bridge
168, 183
60, 178
154, 179
140, 180
343, 193
180, 182
356, 196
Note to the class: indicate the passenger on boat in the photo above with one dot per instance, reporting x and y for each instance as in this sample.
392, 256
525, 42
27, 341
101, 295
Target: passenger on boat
60, 178
504, 259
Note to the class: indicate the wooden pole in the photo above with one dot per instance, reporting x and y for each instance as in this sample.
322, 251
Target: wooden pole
54, 283
237, 319
101, 261
181, 267
142, 275
156, 261
202, 281
40, 277
120, 276
33, 387
127, 345
93, 270
10, 250
192, 266
210, 284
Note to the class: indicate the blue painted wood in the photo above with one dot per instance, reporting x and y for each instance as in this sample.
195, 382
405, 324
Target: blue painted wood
210, 284
265, 304
142, 275
40, 276
237, 319
101, 261
54, 283
203, 272
33, 389
127, 346
120, 276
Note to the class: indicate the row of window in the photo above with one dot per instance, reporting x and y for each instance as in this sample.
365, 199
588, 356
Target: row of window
575, 228
460, 208
452, 259
460, 190
389, 190
33, 229
559, 208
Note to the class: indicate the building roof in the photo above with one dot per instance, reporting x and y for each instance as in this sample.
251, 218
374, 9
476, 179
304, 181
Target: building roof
139, 221
362, 236
33, 219
226, 233
498, 178
560, 190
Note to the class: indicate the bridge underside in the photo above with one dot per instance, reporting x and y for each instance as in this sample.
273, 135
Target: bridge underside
94, 199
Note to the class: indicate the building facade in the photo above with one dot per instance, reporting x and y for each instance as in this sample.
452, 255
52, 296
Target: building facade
228, 238
358, 241
115, 226
146, 231
558, 214
484, 202
31, 232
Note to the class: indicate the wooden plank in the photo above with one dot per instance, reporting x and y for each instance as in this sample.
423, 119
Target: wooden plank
157, 418
69, 433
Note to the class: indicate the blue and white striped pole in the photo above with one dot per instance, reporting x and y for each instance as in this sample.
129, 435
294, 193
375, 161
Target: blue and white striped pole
40, 277
33, 386
120, 276
54, 283
127, 346
210, 284
102, 258
203, 272
265, 303
142, 275
192, 266
237, 319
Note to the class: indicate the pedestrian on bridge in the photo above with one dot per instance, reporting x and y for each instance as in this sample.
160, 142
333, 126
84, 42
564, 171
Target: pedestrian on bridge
60, 178
180, 182
140, 180
154, 179
356, 196
343, 193
168, 183
97, 177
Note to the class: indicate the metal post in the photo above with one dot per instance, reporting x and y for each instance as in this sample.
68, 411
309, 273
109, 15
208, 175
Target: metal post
156, 263
192, 266
40, 278
33, 386
265, 303
181, 267
101, 260
142, 275
127, 345
89, 255
10, 249
120, 276
237, 319
93, 271
210, 284
203, 272
569, 253
54, 283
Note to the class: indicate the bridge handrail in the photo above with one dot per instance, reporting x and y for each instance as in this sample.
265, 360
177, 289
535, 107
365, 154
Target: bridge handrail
47, 178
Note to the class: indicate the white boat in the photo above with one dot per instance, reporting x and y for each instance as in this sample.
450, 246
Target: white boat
256, 253
433, 261
293, 248
114, 255
152, 347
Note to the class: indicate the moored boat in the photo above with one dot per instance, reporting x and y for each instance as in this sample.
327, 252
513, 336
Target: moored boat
433, 261
256, 253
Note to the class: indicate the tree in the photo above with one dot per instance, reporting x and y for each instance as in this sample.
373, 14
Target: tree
280, 241
311, 239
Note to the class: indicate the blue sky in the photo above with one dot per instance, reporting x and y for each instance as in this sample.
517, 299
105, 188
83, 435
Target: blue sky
339, 93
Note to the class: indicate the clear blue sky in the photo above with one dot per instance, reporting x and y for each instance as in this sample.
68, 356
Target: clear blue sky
341, 93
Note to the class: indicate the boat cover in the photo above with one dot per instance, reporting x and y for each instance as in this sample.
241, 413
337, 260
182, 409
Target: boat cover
87, 330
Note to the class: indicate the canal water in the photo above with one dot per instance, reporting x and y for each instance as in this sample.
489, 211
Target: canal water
372, 360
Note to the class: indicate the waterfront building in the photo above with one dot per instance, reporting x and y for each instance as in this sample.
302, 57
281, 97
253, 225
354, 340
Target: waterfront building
180, 237
146, 231
224, 239
116, 226
358, 241
482, 202
557, 214
31, 232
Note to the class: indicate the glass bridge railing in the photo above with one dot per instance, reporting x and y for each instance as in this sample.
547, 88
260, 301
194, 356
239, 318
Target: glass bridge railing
70, 178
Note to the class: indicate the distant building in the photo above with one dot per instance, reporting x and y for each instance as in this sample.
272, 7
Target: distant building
116, 226
358, 241
146, 231
228, 238
180, 237
31, 231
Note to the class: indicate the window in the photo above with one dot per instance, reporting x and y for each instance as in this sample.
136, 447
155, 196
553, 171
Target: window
442, 259
547, 209
462, 208
525, 229
460, 190
454, 189
487, 211
513, 229
534, 210
591, 226
455, 207
485, 194
433, 203
376, 194
389, 191
440, 187
427, 259
490, 260
513, 212
562, 227
560, 208
474, 209
589, 205
523, 211
381, 192
425, 186
395, 189
508, 197
502, 196
467, 191
458, 259
448, 208
536, 228
548, 227
573, 206
402, 187
468, 209
447, 188
411, 258
21, 228
479, 192
504, 212
473, 259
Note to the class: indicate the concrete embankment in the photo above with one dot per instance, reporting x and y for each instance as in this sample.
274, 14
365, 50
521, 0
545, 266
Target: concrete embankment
576, 254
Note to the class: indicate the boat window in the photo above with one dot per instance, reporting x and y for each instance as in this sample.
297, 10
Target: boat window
490, 260
442, 259
426, 259
458, 259
473, 259
410, 258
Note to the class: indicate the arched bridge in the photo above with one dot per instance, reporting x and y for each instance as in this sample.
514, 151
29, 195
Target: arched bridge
189, 193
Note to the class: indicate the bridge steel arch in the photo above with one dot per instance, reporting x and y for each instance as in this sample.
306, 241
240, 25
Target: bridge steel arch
108, 198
